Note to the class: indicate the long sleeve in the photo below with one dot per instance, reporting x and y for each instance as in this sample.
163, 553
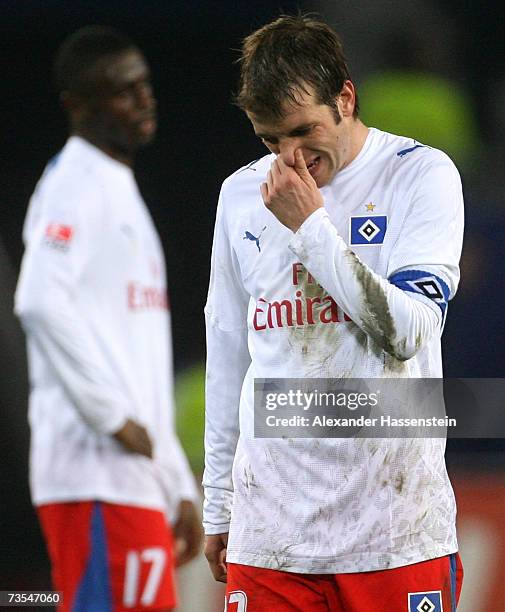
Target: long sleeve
176, 475
187, 488
402, 312
227, 361
63, 231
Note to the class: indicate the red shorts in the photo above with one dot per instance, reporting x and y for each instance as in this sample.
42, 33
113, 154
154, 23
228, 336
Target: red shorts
109, 558
430, 586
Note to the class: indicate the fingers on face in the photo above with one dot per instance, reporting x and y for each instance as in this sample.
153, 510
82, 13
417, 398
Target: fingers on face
264, 192
279, 177
270, 180
274, 178
277, 166
267, 189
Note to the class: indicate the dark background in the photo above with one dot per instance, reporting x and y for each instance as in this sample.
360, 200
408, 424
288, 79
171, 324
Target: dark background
203, 138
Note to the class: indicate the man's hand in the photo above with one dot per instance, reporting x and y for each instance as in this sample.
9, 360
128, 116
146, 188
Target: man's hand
290, 192
188, 533
134, 437
215, 551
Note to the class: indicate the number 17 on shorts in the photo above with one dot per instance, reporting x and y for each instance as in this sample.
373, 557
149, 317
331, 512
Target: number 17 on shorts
235, 597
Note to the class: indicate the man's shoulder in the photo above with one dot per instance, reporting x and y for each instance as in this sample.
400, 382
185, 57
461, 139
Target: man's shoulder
249, 176
69, 175
70, 188
408, 153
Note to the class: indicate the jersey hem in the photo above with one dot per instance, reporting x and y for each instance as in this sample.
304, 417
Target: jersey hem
333, 565
110, 499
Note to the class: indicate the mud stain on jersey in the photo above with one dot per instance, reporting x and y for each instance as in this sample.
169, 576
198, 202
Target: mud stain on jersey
399, 482
419, 341
359, 334
388, 457
420, 520
372, 448
393, 365
282, 556
312, 289
315, 343
248, 479
376, 319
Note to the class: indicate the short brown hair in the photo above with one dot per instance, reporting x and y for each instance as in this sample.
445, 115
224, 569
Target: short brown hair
284, 57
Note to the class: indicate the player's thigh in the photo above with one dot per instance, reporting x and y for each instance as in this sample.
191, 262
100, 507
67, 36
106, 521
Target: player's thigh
66, 528
429, 586
140, 556
256, 589
108, 556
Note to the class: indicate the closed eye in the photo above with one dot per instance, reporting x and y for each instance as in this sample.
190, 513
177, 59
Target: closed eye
269, 140
302, 131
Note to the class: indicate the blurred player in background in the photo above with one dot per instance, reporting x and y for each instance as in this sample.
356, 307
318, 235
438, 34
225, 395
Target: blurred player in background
108, 475
333, 257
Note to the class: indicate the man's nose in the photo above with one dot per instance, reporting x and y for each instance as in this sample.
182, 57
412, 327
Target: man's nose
287, 148
145, 97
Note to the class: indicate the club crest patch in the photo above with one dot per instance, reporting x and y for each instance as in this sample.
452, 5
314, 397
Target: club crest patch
367, 229
430, 601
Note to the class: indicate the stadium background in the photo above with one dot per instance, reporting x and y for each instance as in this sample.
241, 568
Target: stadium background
434, 70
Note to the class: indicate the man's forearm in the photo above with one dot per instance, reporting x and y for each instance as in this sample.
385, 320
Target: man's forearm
399, 324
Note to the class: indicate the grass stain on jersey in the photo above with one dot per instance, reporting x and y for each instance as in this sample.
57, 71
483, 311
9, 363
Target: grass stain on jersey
315, 343
376, 318
419, 341
399, 482
249, 480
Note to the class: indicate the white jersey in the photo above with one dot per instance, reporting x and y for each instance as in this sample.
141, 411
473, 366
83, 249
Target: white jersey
360, 291
92, 299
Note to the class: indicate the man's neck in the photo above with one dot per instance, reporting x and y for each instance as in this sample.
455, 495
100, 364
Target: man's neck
121, 156
359, 135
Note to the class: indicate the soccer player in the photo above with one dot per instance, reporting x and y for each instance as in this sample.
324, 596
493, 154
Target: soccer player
113, 490
368, 225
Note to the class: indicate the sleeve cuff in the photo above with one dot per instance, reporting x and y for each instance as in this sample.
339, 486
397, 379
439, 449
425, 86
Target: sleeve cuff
188, 490
216, 510
112, 424
216, 529
297, 242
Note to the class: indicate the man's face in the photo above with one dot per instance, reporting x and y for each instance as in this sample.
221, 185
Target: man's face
121, 113
313, 128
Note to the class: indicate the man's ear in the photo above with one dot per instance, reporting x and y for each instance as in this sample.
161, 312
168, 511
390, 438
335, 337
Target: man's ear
74, 105
346, 99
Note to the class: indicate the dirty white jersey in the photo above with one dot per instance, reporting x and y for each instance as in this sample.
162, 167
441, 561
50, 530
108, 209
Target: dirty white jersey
92, 300
359, 291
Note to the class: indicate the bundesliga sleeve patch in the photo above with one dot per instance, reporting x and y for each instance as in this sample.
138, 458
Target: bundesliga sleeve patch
58, 236
426, 602
423, 283
370, 229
